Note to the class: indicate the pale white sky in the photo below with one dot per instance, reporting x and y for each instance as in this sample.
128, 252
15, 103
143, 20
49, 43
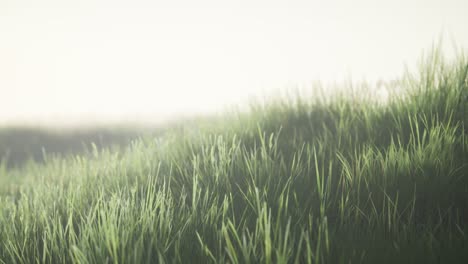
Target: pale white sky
73, 61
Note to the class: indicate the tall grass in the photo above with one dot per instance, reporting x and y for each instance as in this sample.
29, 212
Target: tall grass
294, 180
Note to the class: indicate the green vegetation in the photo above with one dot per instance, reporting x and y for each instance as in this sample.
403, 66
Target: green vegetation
294, 180
19, 145
22, 144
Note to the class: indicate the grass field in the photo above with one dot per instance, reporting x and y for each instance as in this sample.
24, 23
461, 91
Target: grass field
294, 180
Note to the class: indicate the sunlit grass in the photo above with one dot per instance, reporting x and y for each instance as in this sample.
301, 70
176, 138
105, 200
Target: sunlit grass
294, 180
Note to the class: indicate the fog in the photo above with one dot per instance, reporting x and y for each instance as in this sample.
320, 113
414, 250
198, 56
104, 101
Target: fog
75, 62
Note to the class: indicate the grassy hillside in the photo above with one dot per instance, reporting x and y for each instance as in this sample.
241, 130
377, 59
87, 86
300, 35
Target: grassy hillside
294, 180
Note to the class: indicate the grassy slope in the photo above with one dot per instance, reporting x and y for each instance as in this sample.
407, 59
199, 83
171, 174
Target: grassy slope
295, 180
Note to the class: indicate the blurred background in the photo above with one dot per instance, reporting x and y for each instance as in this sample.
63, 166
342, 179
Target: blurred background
67, 65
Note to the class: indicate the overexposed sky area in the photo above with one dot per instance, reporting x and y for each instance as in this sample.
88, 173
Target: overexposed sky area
113, 60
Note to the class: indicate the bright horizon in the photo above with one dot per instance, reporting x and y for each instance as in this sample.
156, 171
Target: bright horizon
117, 61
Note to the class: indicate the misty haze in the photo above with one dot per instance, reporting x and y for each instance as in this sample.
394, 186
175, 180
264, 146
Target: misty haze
233, 132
